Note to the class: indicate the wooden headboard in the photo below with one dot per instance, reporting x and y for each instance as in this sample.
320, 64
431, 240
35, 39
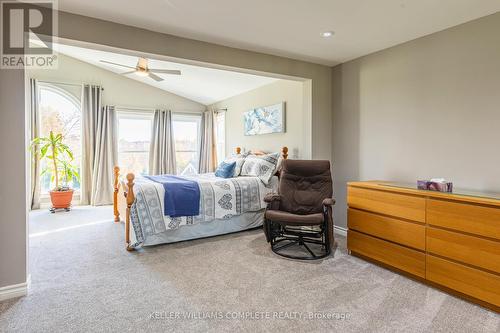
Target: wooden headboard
284, 152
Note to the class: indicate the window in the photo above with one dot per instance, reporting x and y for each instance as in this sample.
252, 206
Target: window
220, 133
134, 137
60, 113
187, 129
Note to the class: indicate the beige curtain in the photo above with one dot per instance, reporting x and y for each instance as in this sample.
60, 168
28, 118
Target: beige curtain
34, 133
105, 158
99, 148
91, 104
162, 148
208, 152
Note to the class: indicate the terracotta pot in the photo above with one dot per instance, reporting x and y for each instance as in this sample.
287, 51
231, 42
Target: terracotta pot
61, 199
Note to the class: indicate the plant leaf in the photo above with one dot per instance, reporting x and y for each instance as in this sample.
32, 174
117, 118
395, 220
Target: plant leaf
43, 151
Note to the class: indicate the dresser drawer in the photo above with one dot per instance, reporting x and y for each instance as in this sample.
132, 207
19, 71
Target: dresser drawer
473, 282
467, 249
392, 229
398, 205
474, 219
400, 257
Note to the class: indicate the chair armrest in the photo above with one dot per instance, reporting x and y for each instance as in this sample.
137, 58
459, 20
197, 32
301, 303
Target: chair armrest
273, 201
329, 202
271, 197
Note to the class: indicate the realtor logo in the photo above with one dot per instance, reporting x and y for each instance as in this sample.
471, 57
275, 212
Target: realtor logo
28, 30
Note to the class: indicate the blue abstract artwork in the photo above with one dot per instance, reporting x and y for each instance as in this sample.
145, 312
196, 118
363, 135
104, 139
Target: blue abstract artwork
265, 120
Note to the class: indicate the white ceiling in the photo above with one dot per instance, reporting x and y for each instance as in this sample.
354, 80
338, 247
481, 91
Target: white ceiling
292, 28
200, 84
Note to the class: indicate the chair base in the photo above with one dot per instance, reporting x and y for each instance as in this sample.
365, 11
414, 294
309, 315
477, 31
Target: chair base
282, 239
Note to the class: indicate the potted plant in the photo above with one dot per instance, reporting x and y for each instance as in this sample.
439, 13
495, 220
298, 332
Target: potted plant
59, 157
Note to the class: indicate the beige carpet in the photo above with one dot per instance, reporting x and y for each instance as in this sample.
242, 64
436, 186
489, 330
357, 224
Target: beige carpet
84, 281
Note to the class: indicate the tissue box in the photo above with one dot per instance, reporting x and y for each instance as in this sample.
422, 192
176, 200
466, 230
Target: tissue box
435, 186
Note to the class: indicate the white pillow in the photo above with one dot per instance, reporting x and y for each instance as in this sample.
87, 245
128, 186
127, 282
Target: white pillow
263, 166
239, 159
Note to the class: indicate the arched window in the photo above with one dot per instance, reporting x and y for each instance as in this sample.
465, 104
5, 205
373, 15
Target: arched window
60, 112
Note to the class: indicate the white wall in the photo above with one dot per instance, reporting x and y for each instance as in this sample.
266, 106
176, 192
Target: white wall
290, 92
426, 108
118, 90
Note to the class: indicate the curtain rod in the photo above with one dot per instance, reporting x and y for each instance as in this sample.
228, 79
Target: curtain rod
64, 83
133, 108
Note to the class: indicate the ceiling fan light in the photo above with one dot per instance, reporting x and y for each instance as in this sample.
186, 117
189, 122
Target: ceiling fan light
142, 63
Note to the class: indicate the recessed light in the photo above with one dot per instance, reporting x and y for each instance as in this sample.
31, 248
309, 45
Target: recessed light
327, 34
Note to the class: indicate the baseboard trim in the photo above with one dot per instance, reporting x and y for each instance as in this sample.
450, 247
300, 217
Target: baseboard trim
340, 230
15, 290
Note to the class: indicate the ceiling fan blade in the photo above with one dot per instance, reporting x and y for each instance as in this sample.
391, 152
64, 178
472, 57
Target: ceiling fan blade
166, 71
155, 77
126, 73
114, 63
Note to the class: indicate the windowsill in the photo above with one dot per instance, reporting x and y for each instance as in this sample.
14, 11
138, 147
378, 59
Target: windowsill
47, 195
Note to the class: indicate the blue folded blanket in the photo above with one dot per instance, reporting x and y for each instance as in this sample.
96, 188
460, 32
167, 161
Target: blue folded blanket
182, 196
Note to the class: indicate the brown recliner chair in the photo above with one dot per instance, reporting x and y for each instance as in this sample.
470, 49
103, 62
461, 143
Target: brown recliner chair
301, 214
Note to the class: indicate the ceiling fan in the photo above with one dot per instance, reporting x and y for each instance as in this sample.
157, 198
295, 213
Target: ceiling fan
142, 69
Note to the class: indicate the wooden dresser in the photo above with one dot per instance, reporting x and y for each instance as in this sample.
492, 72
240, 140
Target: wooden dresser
451, 241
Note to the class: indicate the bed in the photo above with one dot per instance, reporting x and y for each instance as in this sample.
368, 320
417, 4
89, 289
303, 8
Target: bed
225, 206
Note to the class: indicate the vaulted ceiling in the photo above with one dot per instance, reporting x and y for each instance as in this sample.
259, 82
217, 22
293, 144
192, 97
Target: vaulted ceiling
292, 28
200, 84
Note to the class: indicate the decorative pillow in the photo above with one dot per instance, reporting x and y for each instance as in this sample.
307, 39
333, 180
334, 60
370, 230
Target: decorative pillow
263, 166
239, 159
225, 170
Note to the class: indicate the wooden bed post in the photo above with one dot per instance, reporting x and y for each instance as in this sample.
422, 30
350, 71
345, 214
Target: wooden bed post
115, 194
130, 201
284, 152
238, 150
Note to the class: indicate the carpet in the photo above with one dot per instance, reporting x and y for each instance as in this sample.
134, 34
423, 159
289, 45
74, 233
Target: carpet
83, 280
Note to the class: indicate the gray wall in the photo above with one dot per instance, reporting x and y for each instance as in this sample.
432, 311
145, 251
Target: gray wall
426, 108
13, 151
